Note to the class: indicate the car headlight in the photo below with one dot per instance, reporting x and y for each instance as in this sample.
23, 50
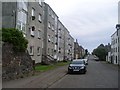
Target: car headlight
70, 67
82, 67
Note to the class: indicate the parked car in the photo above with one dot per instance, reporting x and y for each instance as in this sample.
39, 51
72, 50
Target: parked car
86, 61
77, 66
96, 58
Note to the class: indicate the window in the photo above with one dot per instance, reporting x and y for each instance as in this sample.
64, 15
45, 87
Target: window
49, 38
21, 21
53, 27
40, 18
48, 51
53, 16
33, 12
118, 40
52, 40
32, 31
31, 50
39, 32
38, 51
40, 2
118, 49
52, 51
49, 25
49, 11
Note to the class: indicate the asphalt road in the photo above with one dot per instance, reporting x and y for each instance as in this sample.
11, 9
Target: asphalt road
99, 75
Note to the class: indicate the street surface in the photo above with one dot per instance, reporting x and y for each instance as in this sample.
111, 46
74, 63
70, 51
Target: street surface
99, 75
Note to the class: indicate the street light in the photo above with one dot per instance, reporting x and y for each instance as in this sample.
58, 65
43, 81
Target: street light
117, 26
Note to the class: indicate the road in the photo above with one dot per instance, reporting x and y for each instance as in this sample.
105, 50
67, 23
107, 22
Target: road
99, 75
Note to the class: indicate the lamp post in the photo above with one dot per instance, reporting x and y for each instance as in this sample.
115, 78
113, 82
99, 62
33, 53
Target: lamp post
118, 26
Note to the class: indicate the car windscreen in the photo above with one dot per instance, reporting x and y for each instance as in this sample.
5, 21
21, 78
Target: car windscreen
77, 62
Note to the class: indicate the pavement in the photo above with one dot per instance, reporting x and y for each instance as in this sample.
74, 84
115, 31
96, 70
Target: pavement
43, 80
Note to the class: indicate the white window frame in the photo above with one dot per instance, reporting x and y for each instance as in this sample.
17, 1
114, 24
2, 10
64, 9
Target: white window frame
49, 25
33, 12
40, 2
40, 17
49, 38
39, 34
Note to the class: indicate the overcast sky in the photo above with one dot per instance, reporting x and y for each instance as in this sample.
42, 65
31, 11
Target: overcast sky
91, 22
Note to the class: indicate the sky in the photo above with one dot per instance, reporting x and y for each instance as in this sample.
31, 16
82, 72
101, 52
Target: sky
91, 22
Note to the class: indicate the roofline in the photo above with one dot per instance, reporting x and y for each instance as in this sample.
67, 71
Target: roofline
51, 8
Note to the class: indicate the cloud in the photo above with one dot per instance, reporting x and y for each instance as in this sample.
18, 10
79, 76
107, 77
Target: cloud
92, 22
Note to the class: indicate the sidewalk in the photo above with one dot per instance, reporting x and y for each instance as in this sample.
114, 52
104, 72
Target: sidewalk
44, 80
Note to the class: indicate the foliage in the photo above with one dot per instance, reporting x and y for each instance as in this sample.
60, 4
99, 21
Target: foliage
101, 52
49, 67
15, 37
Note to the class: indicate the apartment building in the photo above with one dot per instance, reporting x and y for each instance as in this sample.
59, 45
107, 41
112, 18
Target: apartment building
50, 31
66, 44
61, 30
118, 37
79, 51
71, 47
118, 32
35, 30
114, 48
26, 17
48, 39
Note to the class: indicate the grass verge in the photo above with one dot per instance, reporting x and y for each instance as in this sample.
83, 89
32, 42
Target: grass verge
43, 68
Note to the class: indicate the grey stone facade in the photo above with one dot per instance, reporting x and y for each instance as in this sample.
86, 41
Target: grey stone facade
60, 41
66, 44
35, 30
9, 14
79, 51
19, 15
48, 38
50, 31
71, 47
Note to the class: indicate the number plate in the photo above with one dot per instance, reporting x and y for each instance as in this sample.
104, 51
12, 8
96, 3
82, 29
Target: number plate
75, 70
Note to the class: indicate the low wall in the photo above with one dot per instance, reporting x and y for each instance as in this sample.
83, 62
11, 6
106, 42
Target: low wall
15, 65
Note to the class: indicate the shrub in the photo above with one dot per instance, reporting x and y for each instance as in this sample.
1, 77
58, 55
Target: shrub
15, 37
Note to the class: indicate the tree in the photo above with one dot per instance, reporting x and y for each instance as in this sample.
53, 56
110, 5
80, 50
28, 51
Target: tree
101, 52
15, 37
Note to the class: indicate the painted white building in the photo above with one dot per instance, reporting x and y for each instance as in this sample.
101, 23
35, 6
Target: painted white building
118, 33
114, 48
108, 57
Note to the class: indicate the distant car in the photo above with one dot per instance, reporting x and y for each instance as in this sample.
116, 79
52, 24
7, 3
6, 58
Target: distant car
86, 61
77, 66
96, 58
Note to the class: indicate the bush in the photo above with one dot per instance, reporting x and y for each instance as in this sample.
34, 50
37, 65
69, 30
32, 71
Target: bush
15, 37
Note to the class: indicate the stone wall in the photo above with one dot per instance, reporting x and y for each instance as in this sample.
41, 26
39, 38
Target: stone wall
15, 65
